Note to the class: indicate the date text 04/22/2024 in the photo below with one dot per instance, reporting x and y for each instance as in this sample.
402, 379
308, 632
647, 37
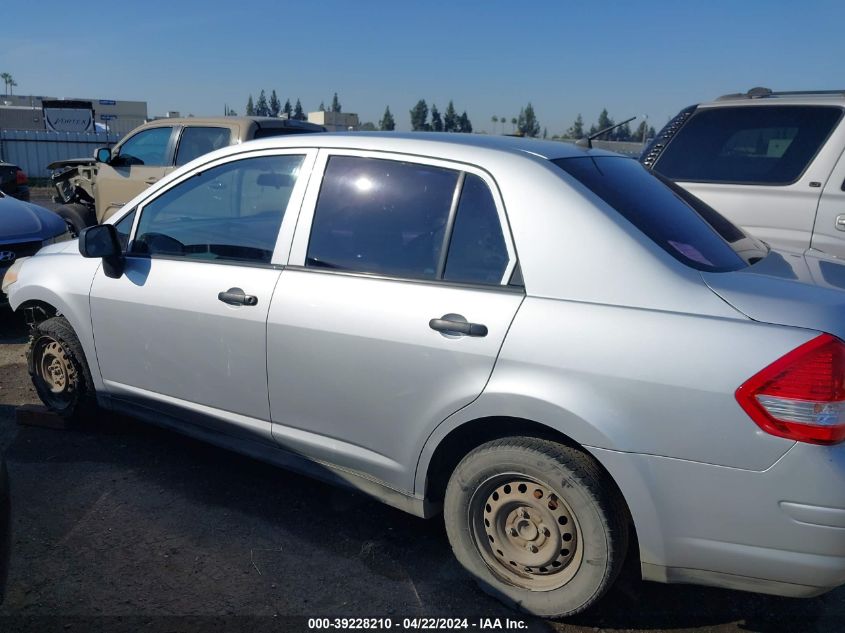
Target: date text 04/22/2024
417, 624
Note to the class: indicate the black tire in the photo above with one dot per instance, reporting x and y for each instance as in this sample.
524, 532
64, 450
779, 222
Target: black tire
76, 216
59, 370
499, 527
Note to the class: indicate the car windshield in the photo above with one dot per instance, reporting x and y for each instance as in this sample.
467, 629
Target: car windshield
677, 221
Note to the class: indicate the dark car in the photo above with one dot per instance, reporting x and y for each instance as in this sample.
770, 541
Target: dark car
24, 229
14, 181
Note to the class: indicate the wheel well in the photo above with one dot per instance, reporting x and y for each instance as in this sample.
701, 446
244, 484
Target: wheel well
455, 446
37, 311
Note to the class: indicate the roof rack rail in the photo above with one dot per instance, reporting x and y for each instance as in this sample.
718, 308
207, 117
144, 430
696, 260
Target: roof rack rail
760, 92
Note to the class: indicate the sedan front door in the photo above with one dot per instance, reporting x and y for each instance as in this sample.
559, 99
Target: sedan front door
183, 329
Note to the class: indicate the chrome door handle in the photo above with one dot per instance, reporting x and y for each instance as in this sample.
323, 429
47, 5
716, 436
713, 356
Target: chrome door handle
151, 181
840, 222
237, 297
456, 324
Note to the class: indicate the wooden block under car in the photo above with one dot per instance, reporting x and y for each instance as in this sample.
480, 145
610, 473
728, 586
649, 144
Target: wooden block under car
38, 415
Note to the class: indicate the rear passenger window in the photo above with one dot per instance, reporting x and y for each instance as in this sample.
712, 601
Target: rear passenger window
381, 216
769, 145
477, 252
197, 141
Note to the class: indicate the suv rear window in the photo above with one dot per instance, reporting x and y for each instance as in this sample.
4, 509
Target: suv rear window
681, 224
769, 145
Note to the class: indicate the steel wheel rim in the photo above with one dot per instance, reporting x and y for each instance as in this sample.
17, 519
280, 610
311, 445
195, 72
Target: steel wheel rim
525, 532
56, 372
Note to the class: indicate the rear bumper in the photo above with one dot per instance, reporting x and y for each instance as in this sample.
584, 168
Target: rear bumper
779, 531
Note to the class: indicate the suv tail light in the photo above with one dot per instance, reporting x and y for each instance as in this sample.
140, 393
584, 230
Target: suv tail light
21, 177
801, 396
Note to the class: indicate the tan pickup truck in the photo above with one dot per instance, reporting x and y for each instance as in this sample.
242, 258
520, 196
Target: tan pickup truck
92, 189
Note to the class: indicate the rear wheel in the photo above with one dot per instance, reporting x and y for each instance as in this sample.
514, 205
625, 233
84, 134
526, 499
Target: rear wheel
59, 370
76, 216
538, 525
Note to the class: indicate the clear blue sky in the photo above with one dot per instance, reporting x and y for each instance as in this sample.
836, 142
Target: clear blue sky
491, 57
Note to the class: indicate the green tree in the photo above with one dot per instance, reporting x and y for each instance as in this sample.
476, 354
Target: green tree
604, 122
298, 114
387, 123
436, 121
622, 133
288, 109
527, 123
7, 79
367, 127
335, 104
577, 129
495, 120
464, 124
322, 107
261, 107
419, 117
450, 119
275, 104
250, 109
513, 124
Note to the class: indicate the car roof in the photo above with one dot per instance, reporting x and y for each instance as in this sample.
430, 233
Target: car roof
766, 97
431, 143
224, 120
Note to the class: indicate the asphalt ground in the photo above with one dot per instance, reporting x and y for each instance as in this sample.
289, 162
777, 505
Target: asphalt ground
121, 526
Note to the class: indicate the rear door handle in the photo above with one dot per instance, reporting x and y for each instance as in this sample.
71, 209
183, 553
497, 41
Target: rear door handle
840, 222
457, 324
237, 297
151, 181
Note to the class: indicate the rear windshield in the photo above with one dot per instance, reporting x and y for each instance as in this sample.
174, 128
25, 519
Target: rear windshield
677, 221
748, 145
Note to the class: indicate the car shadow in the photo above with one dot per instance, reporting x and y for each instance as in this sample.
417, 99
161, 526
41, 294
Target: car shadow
294, 523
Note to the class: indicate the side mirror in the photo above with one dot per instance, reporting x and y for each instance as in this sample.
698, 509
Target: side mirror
102, 241
102, 155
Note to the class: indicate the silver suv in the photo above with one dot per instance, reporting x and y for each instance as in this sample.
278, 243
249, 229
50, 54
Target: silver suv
771, 162
556, 348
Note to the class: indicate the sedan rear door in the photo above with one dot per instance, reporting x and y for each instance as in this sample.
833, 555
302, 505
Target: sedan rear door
392, 311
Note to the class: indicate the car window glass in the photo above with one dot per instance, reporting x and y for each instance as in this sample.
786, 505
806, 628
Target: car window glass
752, 144
381, 216
477, 252
655, 209
146, 148
124, 228
196, 141
229, 212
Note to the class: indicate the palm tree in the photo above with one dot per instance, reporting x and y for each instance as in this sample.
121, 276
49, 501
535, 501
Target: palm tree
7, 78
513, 123
495, 120
12, 84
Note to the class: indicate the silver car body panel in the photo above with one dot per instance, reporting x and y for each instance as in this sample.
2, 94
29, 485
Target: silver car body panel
779, 288
367, 342
628, 352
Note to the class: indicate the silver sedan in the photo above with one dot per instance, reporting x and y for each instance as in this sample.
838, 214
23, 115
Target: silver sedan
576, 361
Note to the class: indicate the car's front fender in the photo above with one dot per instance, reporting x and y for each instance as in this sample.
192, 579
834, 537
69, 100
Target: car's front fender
61, 278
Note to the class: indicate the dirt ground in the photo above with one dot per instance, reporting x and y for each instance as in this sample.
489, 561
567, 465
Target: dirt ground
122, 526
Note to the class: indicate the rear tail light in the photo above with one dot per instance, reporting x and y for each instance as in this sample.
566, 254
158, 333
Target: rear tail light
801, 396
21, 177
